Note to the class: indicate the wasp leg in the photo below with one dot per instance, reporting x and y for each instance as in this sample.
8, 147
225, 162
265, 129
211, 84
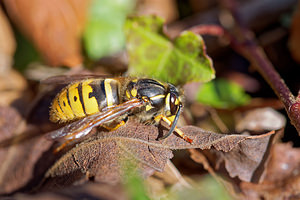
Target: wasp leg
63, 145
116, 127
169, 122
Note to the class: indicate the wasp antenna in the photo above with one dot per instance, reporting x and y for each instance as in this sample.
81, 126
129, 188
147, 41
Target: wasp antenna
173, 124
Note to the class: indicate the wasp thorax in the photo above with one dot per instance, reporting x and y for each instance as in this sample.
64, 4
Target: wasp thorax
163, 98
149, 88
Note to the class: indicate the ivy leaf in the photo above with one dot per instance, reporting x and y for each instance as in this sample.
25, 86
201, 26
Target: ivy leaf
152, 54
222, 94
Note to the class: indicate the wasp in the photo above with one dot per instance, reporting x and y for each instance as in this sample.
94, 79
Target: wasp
90, 101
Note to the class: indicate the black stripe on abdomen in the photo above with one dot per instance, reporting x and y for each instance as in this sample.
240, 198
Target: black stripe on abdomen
98, 93
80, 97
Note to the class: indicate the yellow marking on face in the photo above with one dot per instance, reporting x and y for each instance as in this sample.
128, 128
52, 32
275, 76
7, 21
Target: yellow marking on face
176, 101
167, 101
64, 104
134, 92
157, 97
171, 118
90, 104
149, 107
108, 92
75, 101
56, 113
128, 94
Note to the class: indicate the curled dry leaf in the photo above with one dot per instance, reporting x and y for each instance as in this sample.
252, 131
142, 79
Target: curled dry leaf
54, 26
101, 156
245, 162
244, 158
21, 157
9, 120
281, 178
7, 44
263, 119
13, 87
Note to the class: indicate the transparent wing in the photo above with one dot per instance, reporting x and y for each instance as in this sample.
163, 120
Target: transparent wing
83, 126
66, 79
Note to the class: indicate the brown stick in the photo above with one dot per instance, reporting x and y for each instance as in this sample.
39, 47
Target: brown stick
247, 46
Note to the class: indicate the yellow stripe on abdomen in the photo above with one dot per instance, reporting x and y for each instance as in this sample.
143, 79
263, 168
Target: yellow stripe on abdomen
56, 113
75, 102
90, 104
64, 104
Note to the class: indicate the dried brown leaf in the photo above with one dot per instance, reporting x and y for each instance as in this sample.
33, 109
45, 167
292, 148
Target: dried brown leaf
12, 88
246, 161
54, 26
281, 178
263, 119
243, 160
100, 156
284, 162
9, 120
23, 159
85, 191
7, 44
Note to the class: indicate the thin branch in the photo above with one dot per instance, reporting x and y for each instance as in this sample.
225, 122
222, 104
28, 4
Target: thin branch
257, 56
243, 41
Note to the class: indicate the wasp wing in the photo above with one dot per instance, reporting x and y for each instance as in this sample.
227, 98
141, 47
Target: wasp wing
83, 126
66, 79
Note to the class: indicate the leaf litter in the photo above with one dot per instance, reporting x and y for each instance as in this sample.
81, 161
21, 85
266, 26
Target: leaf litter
101, 155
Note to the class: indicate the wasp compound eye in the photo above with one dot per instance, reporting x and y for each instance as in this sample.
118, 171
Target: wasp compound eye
173, 106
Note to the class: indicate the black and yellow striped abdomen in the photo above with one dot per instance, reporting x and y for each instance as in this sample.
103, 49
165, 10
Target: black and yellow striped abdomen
84, 98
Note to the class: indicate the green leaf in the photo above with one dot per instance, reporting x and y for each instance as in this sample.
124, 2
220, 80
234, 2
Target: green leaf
221, 93
134, 184
152, 54
104, 33
206, 188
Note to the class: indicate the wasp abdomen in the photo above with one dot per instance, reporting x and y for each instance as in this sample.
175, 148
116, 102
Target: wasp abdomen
84, 98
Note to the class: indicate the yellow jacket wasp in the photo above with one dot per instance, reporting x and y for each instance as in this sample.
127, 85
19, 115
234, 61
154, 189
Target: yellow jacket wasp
92, 101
